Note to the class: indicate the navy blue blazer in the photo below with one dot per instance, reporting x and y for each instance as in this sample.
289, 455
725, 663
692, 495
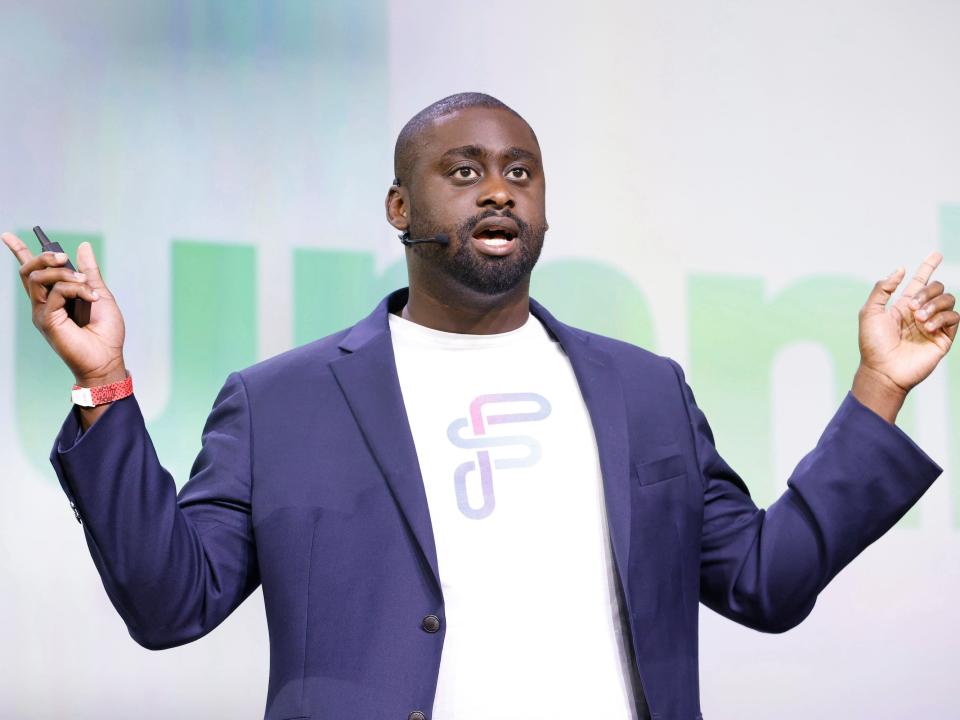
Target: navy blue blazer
308, 484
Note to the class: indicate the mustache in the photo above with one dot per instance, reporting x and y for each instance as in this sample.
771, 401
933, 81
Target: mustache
466, 229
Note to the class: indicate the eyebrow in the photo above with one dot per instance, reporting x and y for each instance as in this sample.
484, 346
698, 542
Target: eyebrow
478, 152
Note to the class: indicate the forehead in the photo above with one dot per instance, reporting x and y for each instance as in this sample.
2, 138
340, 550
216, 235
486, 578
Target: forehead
494, 129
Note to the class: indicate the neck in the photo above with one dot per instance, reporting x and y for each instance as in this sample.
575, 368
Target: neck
466, 311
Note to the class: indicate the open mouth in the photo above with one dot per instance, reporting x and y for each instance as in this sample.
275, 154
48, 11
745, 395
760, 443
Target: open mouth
495, 235
495, 238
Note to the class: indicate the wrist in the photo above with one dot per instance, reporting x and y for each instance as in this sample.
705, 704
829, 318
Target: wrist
91, 408
878, 392
115, 373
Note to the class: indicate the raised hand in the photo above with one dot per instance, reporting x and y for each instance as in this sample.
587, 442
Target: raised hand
902, 341
94, 352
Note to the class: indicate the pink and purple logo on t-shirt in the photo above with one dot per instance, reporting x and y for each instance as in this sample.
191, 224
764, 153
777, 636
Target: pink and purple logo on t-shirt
481, 442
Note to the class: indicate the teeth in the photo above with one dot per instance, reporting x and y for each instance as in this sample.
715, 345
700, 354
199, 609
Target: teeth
495, 242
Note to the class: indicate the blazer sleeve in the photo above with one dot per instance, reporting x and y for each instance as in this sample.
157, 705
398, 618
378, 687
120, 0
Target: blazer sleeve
764, 568
174, 567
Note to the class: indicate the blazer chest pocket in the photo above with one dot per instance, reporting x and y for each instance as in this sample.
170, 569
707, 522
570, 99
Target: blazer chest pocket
661, 469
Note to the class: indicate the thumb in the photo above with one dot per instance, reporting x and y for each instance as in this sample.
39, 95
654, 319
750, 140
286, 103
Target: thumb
87, 264
882, 291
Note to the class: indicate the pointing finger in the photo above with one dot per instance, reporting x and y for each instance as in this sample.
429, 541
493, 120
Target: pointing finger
922, 276
21, 251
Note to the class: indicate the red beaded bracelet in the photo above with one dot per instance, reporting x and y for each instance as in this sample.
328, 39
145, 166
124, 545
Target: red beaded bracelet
102, 394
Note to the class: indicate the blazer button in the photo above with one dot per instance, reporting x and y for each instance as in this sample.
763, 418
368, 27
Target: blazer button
416, 715
431, 624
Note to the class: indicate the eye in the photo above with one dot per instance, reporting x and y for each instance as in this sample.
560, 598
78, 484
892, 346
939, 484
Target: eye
465, 172
519, 173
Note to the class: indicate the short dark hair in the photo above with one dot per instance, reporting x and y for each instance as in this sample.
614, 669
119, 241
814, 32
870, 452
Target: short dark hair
403, 152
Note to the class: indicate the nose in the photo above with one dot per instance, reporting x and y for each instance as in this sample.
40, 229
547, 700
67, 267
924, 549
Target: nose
495, 192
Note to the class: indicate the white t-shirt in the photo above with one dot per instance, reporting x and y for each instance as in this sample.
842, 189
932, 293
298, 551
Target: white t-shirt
512, 476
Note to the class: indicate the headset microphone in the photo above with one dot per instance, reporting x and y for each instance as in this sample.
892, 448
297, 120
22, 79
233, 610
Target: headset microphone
441, 239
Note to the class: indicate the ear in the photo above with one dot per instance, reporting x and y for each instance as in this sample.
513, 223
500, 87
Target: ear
397, 207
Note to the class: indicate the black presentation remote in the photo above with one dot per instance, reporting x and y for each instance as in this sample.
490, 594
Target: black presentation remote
77, 308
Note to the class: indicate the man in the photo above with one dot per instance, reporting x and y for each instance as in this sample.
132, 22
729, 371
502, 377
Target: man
417, 559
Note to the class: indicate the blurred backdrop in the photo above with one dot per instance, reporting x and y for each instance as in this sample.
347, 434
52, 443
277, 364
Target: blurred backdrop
726, 179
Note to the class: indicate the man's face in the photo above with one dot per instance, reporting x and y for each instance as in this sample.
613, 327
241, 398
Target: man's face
478, 177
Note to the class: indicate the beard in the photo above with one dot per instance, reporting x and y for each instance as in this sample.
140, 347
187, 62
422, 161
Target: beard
485, 274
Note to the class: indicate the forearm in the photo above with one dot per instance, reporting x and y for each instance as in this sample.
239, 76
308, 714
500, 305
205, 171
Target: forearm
172, 572
765, 569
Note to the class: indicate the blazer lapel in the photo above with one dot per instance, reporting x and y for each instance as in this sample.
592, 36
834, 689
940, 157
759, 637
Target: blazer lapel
367, 375
603, 395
